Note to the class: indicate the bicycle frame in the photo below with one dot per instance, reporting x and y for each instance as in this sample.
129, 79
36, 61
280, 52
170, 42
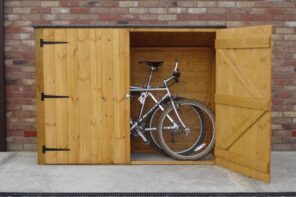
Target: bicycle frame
146, 92
157, 104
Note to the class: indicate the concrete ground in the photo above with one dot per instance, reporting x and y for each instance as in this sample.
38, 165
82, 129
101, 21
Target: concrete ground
19, 172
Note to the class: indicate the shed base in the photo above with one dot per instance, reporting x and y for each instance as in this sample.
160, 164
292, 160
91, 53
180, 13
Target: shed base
160, 159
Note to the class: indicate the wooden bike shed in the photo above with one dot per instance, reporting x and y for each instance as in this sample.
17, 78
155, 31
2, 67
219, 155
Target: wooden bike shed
84, 74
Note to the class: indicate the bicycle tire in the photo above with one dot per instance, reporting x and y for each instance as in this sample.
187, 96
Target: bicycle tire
154, 140
175, 155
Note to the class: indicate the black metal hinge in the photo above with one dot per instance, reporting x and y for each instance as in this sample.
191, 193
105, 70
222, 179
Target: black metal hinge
43, 42
45, 149
45, 96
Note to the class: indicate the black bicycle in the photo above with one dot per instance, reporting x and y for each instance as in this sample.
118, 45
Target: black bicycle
181, 128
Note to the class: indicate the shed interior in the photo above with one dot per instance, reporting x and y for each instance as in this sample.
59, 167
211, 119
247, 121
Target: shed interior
195, 52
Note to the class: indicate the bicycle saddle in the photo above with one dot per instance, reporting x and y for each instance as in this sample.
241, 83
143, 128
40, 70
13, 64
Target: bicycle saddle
153, 64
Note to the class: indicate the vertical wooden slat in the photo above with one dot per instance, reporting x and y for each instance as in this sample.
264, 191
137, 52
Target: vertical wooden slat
126, 53
120, 133
50, 104
61, 89
107, 94
84, 94
73, 113
39, 89
99, 102
95, 83
118, 99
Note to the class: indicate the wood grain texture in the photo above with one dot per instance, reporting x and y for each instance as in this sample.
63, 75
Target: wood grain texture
61, 77
92, 69
73, 92
39, 89
50, 104
241, 43
243, 138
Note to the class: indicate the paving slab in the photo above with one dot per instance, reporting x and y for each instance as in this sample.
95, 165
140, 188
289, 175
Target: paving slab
19, 172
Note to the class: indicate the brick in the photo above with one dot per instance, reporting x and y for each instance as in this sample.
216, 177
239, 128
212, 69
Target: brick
60, 10
50, 3
187, 4
276, 114
138, 10
79, 10
30, 147
276, 126
256, 10
291, 23
157, 10
128, 3
148, 17
216, 11
245, 4
13, 4
281, 146
12, 17
276, 139
99, 10
289, 114
119, 10
197, 10
226, 4
177, 10
31, 3
28, 107
32, 17
49, 16
30, 133
290, 37
206, 4
282, 30
21, 10
14, 146
150, 3
167, 17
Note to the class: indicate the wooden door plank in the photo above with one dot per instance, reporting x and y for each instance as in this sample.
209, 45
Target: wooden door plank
39, 90
95, 78
126, 51
120, 133
50, 104
107, 94
98, 100
73, 112
244, 102
61, 89
241, 43
84, 94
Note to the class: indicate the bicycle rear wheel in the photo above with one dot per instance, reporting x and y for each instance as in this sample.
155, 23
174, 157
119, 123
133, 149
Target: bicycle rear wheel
181, 144
152, 134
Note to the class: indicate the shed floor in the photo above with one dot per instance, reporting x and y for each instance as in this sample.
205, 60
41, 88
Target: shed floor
19, 172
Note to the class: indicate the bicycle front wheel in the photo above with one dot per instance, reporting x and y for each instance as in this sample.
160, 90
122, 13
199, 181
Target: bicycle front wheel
187, 144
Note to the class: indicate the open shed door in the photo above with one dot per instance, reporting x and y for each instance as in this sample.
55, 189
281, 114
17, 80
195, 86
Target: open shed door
86, 79
243, 100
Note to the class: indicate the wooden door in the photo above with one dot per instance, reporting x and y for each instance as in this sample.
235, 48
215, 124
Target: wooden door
88, 69
243, 100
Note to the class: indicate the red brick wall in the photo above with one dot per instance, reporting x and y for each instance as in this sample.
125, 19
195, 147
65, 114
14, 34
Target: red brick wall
20, 15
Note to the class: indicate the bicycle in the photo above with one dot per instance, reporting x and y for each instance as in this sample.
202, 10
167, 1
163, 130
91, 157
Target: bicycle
178, 117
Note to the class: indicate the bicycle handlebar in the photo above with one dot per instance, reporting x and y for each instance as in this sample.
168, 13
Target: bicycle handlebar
176, 75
